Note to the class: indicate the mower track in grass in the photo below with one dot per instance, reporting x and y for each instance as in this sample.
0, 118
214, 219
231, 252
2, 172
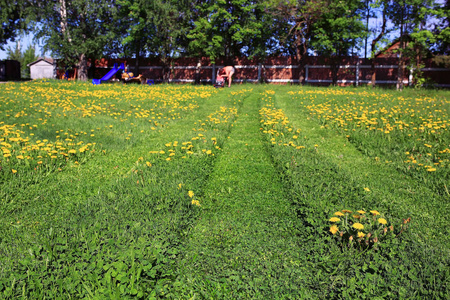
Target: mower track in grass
388, 190
246, 243
113, 212
329, 174
115, 228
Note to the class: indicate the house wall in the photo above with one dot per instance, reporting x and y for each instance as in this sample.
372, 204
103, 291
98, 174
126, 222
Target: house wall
42, 69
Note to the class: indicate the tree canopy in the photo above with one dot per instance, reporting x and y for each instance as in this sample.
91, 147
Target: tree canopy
13, 19
78, 30
24, 58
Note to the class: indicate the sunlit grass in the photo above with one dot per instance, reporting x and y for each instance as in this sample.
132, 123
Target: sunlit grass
409, 130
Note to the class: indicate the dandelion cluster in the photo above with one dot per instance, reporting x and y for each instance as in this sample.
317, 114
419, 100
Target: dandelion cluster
29, 109
276, 125
412, 131
193, 201
363, 228
20, 152
200, 143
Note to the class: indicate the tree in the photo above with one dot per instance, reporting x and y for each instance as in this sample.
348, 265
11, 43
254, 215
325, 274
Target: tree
413, 19
297, 19
29, 56
444, 29
228, 28
339, 30
442, 32
12, 19
384, 5
156, 28
74, 31
24, 58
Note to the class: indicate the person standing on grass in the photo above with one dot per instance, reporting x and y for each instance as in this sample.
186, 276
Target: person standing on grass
227, 72
197, 72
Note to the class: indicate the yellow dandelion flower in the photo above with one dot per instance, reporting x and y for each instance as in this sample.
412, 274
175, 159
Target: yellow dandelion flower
345, 211
335, 219
195, 202
191, 194
338, 213
361, 212
361, 234
148, 164
14, 171
334, 229
382, 221
366, 189
358, 226
374, 212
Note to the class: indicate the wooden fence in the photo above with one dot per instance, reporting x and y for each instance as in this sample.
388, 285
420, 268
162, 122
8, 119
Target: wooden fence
351, 71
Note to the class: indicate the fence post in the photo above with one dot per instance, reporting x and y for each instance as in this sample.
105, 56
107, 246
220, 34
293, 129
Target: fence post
214, 74
411, 76
306, 73
259, 73
357, 72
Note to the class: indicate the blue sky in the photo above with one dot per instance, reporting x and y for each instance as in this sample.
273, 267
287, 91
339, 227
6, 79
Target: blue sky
25, 41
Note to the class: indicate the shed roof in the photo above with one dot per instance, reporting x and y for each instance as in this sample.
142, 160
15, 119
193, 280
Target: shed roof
48, 60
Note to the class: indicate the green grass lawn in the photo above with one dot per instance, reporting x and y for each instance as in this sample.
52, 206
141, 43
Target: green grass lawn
190, 192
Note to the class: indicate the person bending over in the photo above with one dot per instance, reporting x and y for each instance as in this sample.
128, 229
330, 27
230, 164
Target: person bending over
228, 72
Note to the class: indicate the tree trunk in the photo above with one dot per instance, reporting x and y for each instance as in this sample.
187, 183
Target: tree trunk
301, 59
136, 65
82, 68
334, 66
373, 71
401, 66
166, 73
301, 73
400, 56
334, 70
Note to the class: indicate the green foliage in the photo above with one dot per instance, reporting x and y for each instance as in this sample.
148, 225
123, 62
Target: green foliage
228, 29
340, 29
156, 28
73, 31
443, 61
12, 19
26, 57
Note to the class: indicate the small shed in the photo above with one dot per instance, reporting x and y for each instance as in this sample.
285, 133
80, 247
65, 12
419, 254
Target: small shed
43, 68
9, 70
